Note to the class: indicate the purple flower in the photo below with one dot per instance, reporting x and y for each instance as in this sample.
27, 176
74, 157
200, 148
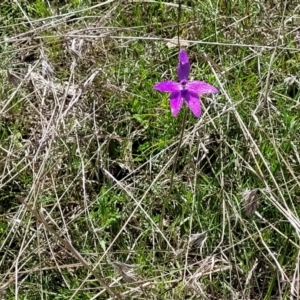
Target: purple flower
185, 89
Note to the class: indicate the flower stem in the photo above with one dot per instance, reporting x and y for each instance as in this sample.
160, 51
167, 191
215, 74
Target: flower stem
178, 22
166, 199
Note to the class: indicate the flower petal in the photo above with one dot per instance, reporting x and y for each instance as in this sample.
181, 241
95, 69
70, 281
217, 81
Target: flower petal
193, 102
176, 103
183, 69
183, 57
200, 87
168, 86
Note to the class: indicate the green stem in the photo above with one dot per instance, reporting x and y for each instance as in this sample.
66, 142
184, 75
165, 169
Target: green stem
178, 22
166, 199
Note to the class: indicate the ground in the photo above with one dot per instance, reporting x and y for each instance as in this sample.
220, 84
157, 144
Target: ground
105, 195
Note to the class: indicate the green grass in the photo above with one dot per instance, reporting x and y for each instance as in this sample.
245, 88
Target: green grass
87, 151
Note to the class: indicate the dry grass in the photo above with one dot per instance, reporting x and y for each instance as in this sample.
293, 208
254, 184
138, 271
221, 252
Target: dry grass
87, 149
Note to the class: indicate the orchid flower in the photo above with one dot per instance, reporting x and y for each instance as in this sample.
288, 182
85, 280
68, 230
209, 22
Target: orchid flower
185, 89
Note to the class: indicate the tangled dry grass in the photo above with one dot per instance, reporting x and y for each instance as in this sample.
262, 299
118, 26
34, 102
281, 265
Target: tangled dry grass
87, 149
